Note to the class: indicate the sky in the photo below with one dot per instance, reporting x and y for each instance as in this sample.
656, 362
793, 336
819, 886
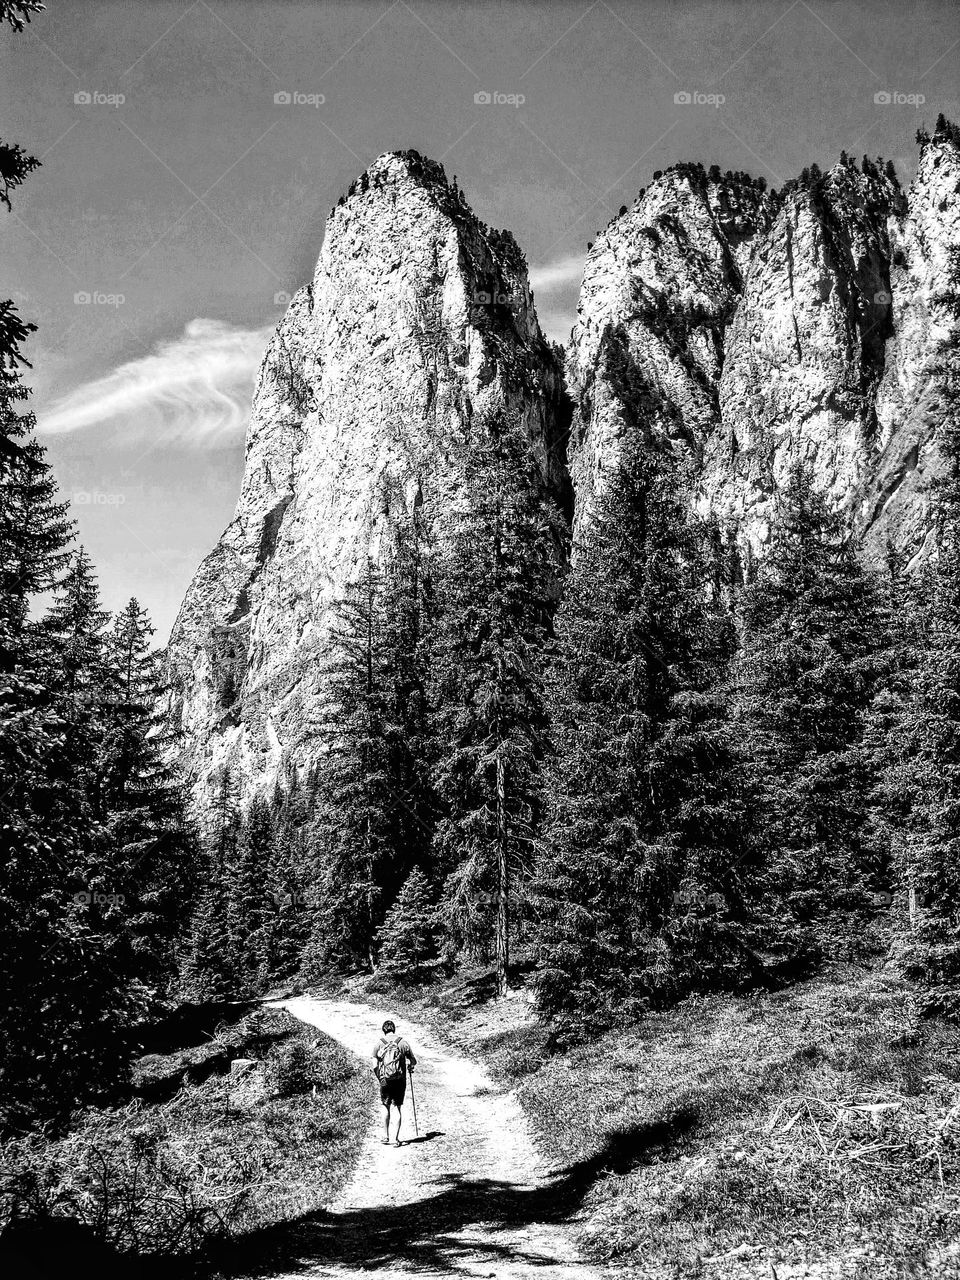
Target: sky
192, 149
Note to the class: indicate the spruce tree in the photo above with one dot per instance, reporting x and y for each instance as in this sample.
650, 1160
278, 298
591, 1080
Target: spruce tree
494, 601
75, 1005
373, 806
409, 617
18, 12
641, 885
72, 994
41, 931
73, 634
249, 905
351, 829
142, 805
813, 639
919, 717
286, 923
407, 939
210, 967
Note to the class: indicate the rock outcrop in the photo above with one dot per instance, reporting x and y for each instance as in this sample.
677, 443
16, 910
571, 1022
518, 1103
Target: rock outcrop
418, 326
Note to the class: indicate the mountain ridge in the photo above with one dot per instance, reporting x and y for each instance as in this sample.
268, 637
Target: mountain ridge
751, 328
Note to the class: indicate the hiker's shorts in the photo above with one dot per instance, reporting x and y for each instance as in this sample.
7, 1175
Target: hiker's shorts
393, 1090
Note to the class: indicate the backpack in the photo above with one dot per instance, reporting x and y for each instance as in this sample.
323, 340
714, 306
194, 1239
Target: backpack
391, 1061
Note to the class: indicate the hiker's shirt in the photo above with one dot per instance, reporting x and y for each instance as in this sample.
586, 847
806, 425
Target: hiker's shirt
405, 1053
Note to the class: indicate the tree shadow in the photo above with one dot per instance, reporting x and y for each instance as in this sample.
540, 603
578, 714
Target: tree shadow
441, 1231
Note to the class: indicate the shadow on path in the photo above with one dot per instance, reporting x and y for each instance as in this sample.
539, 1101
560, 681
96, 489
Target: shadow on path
458, 1224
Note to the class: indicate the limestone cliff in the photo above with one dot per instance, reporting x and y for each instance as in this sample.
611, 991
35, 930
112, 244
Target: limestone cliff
659, 288
811, 326
418, 324
921, 357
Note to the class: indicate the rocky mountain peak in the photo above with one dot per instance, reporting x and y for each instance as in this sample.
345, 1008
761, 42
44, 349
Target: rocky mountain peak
417, 328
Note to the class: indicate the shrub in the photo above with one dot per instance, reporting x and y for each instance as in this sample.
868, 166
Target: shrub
293, 1069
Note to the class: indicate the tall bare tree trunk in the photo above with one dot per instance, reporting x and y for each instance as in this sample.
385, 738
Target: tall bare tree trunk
503, 880
503, 871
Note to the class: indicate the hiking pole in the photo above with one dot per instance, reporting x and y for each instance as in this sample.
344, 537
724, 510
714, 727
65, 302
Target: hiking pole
413, 1103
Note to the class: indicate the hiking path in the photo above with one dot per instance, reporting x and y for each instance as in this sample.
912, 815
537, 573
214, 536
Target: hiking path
471, 1197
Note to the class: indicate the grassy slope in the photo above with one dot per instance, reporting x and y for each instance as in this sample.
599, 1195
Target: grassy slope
221, 1158
732, 1135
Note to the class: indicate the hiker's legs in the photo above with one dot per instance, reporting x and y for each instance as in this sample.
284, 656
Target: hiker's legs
396, 1136
386, 1122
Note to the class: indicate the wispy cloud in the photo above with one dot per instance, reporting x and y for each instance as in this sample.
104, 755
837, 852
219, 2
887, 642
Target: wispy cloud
565, 273
194, 390
556, 285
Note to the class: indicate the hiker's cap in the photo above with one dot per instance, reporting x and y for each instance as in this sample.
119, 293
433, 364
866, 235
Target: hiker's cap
389, 1026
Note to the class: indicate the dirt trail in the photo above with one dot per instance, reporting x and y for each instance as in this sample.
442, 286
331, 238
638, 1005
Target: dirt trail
470, 1198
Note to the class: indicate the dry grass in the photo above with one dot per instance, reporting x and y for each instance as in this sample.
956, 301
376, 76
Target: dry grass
168, 1184
815, 1132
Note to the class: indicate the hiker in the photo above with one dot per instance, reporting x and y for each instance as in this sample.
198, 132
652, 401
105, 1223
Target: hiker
392, 1059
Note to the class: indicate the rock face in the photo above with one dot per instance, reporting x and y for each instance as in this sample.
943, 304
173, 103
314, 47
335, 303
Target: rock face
809, 328
659, 289
921, 357
417, 326
753, 330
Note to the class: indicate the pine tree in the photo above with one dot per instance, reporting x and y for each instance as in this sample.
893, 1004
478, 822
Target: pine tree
407, 939
210, 967
813, 638
71, 992
373, 801
41, 931
918, 716
495, 600
286, 926
249, 906
74, 1010
409, 617
73, 634
641, 881
35, 531
351, 832
142, 806
18, 12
